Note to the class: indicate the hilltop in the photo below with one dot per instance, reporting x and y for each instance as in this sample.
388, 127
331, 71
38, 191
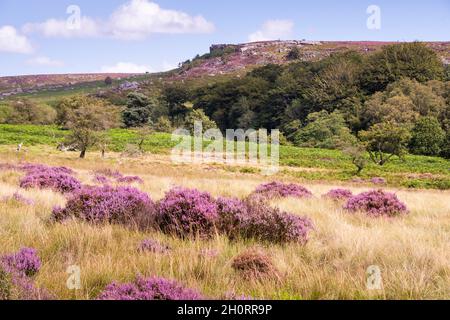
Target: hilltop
221, 60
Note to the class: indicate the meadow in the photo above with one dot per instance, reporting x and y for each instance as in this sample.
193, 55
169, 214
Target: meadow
411, 250
414, 172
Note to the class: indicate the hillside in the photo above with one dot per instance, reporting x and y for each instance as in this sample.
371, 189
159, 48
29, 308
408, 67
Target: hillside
223, 59
30, 84
231, 58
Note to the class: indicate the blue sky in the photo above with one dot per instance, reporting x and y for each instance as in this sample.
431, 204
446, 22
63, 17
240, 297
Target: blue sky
138, 35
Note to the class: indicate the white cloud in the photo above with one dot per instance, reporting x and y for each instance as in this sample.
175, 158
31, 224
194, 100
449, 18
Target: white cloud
134, 20
62, 29
44, 61
126, 67
12, 41
166, 66
273, 30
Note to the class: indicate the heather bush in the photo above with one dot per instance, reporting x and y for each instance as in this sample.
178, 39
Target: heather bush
109, 173
15, 272
233, 213
25, 261
149, 289
272, 225
339, 194
124, 205
378, 180
130, 179
254, 265
18, 198
98, 178
281, 190
150, 245
42, 177
186, 212
377, 203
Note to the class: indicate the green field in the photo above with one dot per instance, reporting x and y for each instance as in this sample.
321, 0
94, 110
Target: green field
330, 165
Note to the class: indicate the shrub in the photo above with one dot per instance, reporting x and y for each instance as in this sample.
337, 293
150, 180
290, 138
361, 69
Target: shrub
254, 219
339, 194
254, 265
232, 215
124, 205
378, 180
59, 179
100, 179
377, 203
185, 212
18, 198
150, 245
281, 190
109, 173
130, 179
25, 261
149, 289
269, 224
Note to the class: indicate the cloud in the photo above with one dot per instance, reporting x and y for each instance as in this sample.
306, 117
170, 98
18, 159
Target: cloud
44, 61
134, 20
12, 41
126, 67
87, 28
273, 30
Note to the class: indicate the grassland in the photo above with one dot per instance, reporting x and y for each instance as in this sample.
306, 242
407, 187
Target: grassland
416, 172
413, 252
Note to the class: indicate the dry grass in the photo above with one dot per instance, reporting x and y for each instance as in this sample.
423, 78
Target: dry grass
413, 252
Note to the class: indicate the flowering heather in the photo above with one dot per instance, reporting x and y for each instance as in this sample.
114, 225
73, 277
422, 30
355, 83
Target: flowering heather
254, 264
125, 205
130, 179
32, 167
186, 212
109, 173
98, 178
18, 198
378, 180
339, 194
269, 224
377, 203
150, 245
51, 178
25, 261
280, 190
149, 289
233, 213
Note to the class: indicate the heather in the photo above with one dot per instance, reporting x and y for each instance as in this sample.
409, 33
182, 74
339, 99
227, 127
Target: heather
150, 245
18, 198
187, 212
377, 203
149, 289
130, 179
123, 205
254, 265
281, 190
58, 179
339, 194
16, 272
25, 261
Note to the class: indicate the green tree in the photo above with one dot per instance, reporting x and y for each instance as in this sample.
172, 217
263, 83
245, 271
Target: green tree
294, 54
393, 62
427, 137
198, 115
88, 121
28, 112
138, 110
324, 130
386, 140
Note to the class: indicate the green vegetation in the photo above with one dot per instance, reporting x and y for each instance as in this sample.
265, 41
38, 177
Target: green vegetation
411, 172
